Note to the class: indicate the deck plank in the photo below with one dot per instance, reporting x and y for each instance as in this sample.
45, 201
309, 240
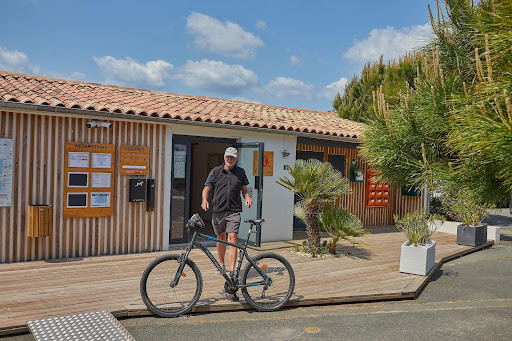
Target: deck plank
40, 289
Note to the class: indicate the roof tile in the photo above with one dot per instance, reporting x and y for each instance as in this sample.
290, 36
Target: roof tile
16, 87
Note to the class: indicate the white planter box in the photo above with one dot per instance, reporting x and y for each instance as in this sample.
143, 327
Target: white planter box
417, 260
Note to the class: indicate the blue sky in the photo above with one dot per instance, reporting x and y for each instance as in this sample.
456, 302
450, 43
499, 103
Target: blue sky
285, 53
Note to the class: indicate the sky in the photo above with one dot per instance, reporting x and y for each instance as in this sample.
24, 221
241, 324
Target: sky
285, 53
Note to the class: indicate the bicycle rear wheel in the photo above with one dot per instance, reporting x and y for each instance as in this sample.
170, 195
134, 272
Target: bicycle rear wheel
156, 291
281, 282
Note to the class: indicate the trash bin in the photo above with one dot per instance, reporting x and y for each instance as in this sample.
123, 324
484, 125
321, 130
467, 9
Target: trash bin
39, 220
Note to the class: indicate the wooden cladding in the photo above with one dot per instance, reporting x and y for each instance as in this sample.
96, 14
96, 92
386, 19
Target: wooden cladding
355, 202
39, 178
39, 221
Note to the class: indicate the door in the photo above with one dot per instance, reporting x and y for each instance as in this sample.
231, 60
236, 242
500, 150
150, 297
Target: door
246, 160
180, 180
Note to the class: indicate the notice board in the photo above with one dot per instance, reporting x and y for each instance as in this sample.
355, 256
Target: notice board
268, 163
88, 179
6, 169
134, 160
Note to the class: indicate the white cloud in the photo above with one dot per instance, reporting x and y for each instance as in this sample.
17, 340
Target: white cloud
295, 61
16, 61
261, 25
227, 39
121, 71
390, 42
288, 87
243, 99
214, 75
330, 91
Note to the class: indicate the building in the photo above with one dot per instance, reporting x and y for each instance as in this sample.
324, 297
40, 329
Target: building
76, 146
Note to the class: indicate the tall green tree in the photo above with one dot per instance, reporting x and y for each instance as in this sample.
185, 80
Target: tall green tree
357, 101
450, 129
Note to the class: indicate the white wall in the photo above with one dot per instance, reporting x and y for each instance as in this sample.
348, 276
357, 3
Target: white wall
277, 201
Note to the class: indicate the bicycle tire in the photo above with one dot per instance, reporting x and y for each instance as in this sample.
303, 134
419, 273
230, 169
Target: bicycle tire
157, 294
283, 282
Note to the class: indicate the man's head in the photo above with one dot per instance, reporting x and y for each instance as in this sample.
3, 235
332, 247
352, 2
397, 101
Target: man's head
230, 157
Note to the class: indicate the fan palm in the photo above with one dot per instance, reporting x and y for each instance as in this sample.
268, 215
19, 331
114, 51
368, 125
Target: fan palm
315, 183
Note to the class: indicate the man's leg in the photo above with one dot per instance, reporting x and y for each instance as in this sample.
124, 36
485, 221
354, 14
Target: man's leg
221, 249
232, 238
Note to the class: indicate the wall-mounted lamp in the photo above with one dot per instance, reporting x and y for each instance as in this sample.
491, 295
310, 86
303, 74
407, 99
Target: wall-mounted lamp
285, 153
96, 124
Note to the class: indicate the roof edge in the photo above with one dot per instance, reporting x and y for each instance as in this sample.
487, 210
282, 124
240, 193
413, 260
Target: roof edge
165, 120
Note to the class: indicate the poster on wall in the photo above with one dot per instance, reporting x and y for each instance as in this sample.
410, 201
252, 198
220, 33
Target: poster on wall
101, 160
134, 160
78, 160
180, 158
100, 199
6, 160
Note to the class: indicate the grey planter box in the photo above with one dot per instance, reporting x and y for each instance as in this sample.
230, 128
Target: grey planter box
417, 260
471, 235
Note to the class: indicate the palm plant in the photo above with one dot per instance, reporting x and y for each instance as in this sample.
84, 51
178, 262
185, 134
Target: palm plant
315, 183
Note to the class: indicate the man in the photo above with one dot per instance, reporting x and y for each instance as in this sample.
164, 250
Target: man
227, 181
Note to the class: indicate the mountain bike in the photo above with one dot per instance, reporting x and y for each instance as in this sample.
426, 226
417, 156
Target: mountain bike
172, 284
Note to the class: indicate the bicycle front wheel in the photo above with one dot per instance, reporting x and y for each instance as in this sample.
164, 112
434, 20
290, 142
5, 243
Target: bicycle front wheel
156, 290
279, 286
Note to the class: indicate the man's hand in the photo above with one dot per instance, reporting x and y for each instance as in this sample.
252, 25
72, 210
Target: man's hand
248, 201
205, 205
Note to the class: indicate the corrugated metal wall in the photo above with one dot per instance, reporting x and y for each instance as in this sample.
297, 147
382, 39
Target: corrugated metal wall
355, 202
38, 179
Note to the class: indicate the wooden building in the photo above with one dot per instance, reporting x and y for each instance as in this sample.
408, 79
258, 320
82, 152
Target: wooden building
76, 146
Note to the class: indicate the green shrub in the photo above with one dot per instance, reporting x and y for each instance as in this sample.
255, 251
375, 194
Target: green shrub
418, 226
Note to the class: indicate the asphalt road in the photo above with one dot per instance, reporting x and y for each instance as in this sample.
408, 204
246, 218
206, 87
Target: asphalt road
469, 298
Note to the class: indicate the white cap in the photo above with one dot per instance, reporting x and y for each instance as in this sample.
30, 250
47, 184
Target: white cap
230, 151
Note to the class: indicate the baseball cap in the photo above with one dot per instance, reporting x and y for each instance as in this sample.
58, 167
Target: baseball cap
230, 151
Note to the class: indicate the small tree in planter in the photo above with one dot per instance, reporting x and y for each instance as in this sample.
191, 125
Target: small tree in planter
338, 222
315, 183
418, 253
467, 208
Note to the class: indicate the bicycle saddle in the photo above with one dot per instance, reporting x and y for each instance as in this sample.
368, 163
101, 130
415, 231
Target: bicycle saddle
254, 221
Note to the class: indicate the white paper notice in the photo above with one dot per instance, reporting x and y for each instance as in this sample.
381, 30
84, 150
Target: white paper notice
100, 199
78, 159
101, 180
6, 161
101, 160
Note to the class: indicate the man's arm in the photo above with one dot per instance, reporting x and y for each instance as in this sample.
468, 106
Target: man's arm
245, 194
204, 204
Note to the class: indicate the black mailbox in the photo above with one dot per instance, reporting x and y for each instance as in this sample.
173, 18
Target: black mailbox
150, 201
137, 190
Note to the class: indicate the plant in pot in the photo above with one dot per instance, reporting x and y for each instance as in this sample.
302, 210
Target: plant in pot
418, 253
469, 209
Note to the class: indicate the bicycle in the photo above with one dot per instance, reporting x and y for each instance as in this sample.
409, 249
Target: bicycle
172, 284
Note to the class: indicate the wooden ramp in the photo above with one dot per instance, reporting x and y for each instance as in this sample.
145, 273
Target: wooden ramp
43, 289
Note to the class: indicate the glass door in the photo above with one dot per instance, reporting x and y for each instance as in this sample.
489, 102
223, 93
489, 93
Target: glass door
250, 158
180, 191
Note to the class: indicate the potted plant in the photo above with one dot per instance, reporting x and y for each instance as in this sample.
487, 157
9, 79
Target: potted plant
418, 253
467, 208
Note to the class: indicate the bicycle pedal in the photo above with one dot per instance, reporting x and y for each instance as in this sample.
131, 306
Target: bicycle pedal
234, 297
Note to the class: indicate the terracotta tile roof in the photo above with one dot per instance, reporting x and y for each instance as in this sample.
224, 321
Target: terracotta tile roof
15, 87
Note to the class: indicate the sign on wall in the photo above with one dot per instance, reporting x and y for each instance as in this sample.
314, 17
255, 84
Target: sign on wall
6, 157
134, 160
89, 179
268, 163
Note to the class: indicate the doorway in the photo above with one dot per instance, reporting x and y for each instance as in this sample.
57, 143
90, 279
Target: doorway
193, 159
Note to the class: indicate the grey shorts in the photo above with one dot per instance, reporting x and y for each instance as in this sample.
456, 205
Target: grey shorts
225, 222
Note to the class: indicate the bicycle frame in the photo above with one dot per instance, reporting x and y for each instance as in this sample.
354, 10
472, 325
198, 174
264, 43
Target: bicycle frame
241, 254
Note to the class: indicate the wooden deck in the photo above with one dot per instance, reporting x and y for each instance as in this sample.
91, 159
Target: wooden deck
41, 289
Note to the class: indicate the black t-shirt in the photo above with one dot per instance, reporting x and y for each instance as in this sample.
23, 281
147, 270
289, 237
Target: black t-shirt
227, 186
